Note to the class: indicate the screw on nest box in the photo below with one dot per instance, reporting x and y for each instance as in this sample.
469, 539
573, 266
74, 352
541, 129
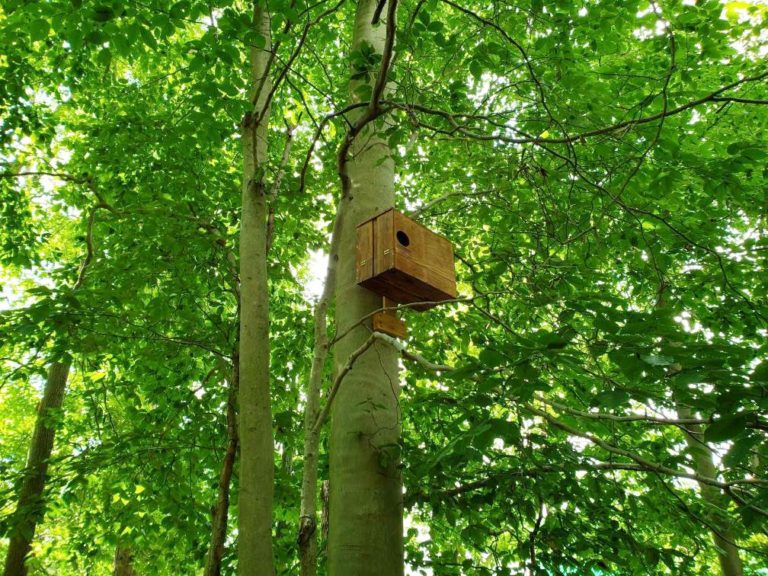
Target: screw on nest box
404, 261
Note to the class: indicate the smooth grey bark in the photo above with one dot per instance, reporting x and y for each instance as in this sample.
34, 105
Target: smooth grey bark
365, 503
307, 538
31, 505
722, 533
255, 426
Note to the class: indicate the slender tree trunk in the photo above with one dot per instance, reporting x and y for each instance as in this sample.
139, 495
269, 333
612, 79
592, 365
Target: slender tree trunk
221, 511
365, 508
722, 534
123, 565
324, 492
31, 506
256, 440
307, 539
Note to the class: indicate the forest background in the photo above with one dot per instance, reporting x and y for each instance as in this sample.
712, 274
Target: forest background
173, 177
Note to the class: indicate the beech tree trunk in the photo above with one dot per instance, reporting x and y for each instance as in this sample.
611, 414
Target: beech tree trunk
307, 538
31, 506
722, 534
365, 505
256, 440
221, 510
123, 565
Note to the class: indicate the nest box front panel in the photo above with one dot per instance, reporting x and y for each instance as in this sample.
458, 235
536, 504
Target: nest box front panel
404, 261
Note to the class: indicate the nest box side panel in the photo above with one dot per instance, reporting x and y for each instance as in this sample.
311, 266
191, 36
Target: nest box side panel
428, 283
425, 257
383, 238
364, 248
375, 258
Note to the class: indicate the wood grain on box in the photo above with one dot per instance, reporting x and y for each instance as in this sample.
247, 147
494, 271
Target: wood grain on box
410, 263
387, 321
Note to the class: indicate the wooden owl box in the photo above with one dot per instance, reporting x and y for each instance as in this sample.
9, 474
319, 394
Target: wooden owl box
404, 261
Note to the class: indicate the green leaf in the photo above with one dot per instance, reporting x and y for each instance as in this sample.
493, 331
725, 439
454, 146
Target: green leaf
104, 57
754, 154
491, 358
736, 147
103, 13
148, 37
179, 9
258, 40
604, 324
612, 398
726, 428
38, 29
476, 69
760, 374
629, 363
364, 92
740, 451
657, 360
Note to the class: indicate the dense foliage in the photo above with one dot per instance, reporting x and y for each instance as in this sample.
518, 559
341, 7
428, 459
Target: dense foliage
600, 168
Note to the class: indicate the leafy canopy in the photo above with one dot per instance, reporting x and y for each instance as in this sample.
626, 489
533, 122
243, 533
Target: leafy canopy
600, 169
